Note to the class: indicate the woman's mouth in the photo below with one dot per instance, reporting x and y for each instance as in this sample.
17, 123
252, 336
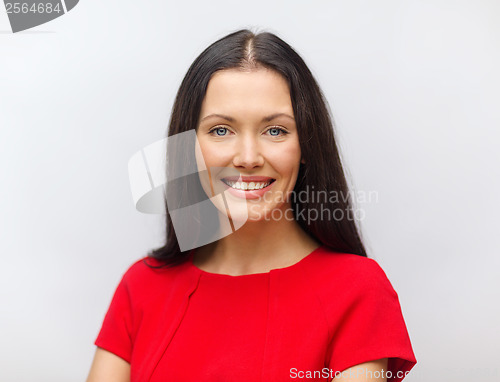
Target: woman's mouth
247, 186
253, 187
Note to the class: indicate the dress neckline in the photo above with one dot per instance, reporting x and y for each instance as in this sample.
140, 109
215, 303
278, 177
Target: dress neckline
252, 275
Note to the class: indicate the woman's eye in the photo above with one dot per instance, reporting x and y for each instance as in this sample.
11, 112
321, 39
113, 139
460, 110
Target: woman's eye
277, 131
223, 131
219, 131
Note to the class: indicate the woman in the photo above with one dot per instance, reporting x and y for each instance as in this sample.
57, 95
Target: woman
282, 287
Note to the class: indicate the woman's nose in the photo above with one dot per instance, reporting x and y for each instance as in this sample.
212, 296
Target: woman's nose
248, 153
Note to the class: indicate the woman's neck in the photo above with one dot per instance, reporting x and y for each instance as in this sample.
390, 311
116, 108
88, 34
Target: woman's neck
256, 247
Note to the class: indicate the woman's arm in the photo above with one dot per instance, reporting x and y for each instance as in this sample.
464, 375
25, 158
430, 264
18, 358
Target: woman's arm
373, 371
108, 367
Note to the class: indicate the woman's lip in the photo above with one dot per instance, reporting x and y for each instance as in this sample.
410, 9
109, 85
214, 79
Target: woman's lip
247, 194
248, 179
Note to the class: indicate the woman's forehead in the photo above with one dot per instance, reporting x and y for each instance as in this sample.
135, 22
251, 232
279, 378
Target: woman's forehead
232, 91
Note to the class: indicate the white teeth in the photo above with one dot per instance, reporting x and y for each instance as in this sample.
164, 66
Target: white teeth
246, 185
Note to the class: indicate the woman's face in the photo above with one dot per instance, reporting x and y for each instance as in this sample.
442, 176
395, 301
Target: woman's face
248, 138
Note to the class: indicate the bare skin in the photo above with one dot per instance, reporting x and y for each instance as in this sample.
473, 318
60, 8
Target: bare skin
107, 367
240, 103
373, 371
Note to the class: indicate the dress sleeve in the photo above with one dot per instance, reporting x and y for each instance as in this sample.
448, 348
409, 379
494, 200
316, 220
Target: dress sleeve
371, 325
115, 334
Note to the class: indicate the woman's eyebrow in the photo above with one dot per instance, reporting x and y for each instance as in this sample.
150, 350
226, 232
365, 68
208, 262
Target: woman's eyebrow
265, 119
276, 115
230, 119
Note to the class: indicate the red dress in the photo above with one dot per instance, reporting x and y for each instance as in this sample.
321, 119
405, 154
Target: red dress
308, 321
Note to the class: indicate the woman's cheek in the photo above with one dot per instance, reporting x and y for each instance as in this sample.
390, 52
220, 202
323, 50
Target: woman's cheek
285, 160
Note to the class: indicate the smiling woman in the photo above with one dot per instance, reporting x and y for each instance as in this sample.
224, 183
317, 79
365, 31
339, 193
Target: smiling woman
287, 290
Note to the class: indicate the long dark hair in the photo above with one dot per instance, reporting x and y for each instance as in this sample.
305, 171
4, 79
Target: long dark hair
322, 172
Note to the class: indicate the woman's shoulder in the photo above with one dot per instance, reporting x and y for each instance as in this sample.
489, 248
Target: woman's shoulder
346, 263
333, 269
147, 270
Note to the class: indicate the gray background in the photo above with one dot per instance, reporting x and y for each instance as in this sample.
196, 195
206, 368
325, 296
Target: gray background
413, 86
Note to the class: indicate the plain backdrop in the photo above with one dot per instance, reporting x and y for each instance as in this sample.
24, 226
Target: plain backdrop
413, 88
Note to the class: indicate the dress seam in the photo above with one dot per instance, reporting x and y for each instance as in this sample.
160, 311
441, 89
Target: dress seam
180, 316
